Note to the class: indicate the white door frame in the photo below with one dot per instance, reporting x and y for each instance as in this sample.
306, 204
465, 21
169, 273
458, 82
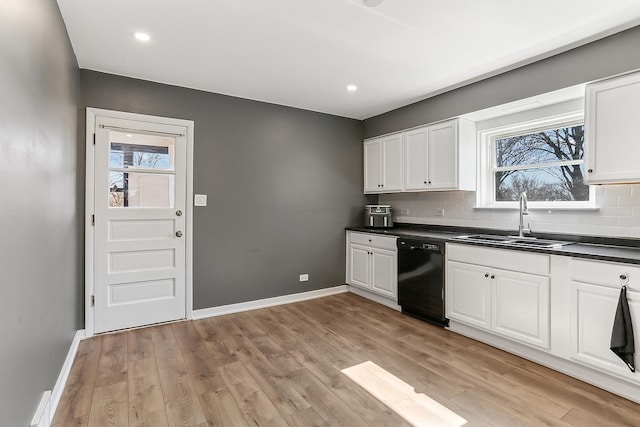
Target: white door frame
92, 113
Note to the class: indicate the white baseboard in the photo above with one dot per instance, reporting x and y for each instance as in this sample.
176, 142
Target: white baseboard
61, 382
42, 417
267, 302
375, 297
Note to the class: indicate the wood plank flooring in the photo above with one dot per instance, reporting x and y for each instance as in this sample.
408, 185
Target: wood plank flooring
281, 366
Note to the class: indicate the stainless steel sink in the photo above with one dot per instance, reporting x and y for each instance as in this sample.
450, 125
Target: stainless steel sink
531, 242
487, 238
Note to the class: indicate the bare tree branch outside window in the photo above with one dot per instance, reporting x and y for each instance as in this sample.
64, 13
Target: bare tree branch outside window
134, 156
548, 165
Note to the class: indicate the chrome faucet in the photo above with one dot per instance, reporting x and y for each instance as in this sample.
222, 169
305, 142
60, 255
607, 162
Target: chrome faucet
523, 211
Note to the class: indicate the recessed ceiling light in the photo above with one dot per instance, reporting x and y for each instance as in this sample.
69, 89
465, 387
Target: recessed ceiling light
352, 88
143, 37
372, 3
128, 135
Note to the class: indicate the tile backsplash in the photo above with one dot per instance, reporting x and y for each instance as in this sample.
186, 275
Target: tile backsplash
617, 213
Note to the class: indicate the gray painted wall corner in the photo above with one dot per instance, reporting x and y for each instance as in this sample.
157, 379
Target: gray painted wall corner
40, 254
282, 183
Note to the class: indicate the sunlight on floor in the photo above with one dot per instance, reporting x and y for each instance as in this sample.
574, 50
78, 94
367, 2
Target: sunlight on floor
418, 409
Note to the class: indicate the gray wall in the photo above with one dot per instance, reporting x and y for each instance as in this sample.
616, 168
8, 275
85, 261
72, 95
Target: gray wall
611, 55
39, 253
282, 185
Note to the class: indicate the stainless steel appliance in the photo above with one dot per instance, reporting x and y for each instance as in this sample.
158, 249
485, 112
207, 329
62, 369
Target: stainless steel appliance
378, 216
421, 279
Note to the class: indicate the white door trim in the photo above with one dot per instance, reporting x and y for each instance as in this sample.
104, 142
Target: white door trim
92, 113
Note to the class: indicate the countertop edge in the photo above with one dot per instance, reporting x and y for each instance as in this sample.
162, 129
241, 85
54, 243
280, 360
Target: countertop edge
599, 252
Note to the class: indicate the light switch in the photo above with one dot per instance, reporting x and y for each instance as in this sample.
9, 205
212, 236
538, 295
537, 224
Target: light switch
200, 200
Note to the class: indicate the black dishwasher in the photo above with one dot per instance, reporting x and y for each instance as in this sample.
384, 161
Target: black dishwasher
421, 279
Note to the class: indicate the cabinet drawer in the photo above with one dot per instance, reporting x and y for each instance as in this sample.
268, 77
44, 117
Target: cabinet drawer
499, 258
605, 273
375, 240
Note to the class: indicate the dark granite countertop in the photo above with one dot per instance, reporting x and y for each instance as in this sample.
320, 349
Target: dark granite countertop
592, 247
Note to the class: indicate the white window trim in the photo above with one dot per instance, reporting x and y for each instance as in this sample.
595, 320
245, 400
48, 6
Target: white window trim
484, 193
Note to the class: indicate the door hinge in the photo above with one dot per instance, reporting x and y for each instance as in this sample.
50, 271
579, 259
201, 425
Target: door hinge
93, 220
94, 139
93, 300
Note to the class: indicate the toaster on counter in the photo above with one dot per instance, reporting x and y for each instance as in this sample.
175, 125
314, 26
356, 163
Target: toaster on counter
378, 216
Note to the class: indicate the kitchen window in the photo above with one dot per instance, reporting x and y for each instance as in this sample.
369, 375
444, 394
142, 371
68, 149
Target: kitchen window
542, 157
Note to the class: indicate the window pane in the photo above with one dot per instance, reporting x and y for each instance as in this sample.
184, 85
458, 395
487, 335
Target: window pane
141, 151
141, 190
553, 145
562, 183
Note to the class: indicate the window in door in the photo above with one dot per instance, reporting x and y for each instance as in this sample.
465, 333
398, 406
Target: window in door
141, 171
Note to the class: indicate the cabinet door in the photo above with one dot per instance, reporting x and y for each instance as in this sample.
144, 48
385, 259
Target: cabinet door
415, 160
469, 294
592, 311
611, 139
373, 166
392, 163
521, 307
443, 155
359, 266
384, 273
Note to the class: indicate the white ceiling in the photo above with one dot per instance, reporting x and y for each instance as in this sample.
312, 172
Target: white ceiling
303, 53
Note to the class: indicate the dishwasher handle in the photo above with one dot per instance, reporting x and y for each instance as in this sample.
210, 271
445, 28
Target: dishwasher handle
426, 248
423, 247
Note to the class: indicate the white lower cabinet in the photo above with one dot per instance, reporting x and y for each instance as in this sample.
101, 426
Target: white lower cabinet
384, 272
468, 294
595, 290
372, 263
554, 310
505, 302
360, 271
521, 307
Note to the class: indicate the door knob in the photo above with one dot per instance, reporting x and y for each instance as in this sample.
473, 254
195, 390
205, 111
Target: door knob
178, 233
178, 212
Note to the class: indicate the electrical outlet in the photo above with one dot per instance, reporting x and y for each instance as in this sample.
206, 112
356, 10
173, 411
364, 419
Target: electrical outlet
440, 212
199, 200
304, 277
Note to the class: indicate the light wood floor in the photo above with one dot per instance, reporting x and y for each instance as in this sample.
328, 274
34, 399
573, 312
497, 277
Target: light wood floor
281, 366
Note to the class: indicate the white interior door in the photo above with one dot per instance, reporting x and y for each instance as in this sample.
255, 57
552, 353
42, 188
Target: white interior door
139, 225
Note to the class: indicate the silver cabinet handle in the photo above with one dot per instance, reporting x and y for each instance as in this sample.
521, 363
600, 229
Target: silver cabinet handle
178, 212
178, 233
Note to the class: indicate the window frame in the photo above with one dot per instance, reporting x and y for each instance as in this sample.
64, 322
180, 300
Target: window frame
485, 194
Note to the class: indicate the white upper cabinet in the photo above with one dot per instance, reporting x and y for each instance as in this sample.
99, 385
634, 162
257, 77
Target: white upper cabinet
392, 163
441, 156
612, 144
415, 159
372, 165
383, 164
